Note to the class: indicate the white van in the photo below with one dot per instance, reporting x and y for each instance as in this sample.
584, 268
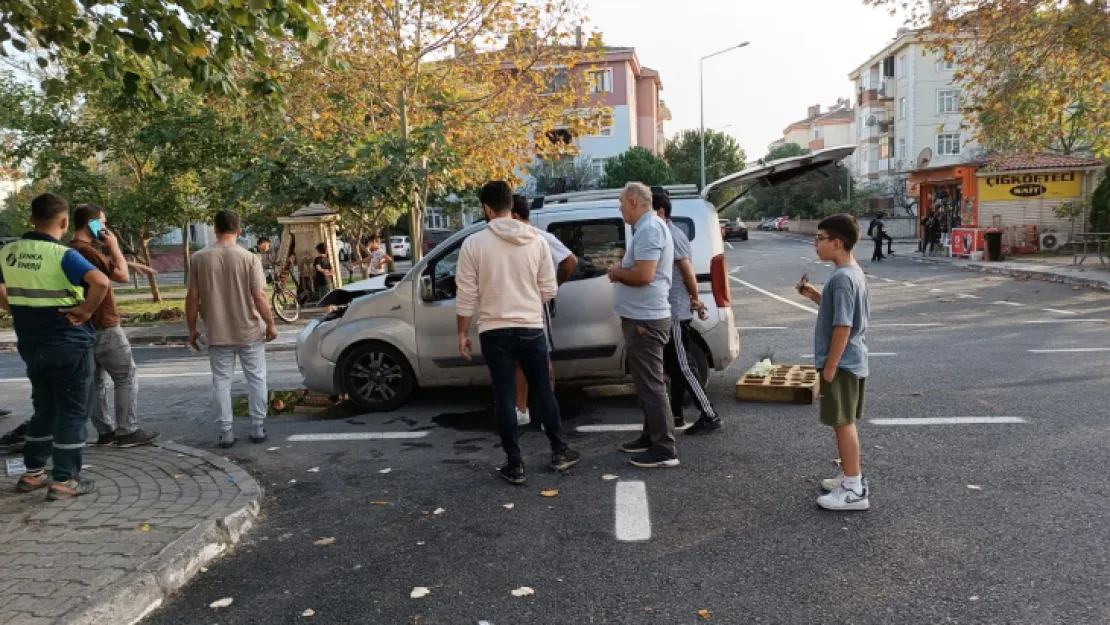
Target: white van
384, 345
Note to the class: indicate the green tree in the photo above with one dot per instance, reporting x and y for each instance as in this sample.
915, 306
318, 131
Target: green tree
638, 164
1100, 205
723, 156
786, 150
813, 194
209, 43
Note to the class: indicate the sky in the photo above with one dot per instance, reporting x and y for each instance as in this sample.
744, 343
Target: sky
800, 54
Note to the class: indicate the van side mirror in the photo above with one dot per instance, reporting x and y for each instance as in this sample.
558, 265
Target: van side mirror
427, 293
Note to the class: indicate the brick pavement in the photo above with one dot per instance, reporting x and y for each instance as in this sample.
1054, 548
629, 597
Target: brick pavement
161, 513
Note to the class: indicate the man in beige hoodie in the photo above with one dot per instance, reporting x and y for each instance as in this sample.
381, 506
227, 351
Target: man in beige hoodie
505, 275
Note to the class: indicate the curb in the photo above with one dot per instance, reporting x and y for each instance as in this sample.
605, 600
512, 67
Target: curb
1032, 274
172, 341
132, 598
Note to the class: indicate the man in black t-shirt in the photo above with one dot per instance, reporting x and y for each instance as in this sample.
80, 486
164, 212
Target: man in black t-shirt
321, 279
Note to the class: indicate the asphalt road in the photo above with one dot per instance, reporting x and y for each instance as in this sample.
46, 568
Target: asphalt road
734, 530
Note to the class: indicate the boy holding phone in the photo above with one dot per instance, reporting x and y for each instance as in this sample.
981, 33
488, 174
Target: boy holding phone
840, 354
112, 350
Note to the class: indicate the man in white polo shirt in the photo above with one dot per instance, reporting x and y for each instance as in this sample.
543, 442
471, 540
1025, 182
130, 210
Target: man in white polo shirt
565, 263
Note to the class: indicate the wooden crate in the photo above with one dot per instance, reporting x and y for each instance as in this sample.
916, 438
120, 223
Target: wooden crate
788, 384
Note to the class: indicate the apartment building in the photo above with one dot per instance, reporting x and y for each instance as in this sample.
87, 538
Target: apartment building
908, 112
822, 129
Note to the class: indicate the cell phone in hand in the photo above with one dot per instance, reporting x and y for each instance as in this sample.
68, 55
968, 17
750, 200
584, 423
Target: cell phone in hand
97, 229
804, 281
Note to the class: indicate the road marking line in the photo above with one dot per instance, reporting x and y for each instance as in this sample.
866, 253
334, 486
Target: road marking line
1066, 321
735, 269
616, 427
763, 328
1062, 312
633, 519
729, 245
910, 284
869, 354
778, 297
936, 290
904, 325
1073, 350
807, 258
946, 420
1014, 304
886, 280
354, 436
966, 296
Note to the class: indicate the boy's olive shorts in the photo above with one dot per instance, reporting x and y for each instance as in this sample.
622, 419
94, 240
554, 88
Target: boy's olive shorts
842, 400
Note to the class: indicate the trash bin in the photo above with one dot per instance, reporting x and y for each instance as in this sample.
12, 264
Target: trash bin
992, 241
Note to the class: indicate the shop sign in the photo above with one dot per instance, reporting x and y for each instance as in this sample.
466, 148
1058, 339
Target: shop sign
1065, 184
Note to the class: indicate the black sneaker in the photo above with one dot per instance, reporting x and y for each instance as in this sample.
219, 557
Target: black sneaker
563, 460
704, 425
653, 459
104, 440
137, 438
679, 423
13, 441
513, 474
638, 446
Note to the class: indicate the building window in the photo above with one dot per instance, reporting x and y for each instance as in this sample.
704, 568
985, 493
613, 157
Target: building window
606, 132
818, 134
601, 81
902, 149
948, 144
949, 66
598, 165
902, 107
859, 127
884, 150
902, 73
948, 101
556, 81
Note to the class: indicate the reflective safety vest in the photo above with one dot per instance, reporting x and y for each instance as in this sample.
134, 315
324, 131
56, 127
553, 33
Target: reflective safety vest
34, 277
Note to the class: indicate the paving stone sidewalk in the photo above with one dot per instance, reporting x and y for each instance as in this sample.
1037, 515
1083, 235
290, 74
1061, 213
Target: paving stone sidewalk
161, 513
1061, 268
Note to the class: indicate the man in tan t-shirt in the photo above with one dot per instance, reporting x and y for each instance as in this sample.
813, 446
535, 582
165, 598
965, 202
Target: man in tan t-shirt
228, 291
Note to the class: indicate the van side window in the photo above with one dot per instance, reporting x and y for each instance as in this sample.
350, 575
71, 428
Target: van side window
442, 271
686, 225
597, 243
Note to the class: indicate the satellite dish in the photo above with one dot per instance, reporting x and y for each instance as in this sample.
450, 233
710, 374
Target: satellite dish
924, 158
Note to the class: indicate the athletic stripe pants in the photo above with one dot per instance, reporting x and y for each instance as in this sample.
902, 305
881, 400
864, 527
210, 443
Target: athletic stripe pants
683, 378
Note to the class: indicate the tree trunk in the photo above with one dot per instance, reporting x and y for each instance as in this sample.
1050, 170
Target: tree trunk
155, 294
187, 239
416, 215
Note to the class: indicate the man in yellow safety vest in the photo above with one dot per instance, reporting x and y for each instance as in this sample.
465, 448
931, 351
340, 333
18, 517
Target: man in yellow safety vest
41, 284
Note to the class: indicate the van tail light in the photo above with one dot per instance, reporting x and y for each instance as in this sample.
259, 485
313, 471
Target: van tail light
718, 277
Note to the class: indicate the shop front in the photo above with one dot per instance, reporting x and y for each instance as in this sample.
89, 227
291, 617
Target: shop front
1030, 196
951, 194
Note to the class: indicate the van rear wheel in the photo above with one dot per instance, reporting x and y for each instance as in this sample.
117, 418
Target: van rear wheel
376, 376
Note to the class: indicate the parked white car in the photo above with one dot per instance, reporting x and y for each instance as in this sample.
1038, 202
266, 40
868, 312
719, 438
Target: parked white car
402, 334
400, 247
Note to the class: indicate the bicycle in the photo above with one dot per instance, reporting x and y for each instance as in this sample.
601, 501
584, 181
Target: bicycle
283, 300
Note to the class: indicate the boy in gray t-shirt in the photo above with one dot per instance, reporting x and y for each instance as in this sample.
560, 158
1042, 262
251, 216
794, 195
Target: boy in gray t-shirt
840, 354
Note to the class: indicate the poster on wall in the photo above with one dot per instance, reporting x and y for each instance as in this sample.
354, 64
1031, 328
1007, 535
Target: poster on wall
1002, 187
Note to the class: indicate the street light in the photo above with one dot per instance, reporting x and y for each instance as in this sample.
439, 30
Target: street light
701, 90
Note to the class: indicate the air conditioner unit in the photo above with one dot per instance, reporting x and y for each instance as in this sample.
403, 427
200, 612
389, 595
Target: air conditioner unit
872, 120
1051, 241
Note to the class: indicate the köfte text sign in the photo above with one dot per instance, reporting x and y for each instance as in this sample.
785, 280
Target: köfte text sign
1064, 184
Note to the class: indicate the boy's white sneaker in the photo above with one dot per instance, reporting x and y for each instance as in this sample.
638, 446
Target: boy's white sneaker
522, 418
843, 498
832, 483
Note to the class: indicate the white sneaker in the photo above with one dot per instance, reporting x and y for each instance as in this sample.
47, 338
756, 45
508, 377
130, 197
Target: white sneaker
832, 483
845, 499
522, 418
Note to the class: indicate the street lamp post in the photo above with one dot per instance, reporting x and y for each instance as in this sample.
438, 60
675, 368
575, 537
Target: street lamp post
701, 94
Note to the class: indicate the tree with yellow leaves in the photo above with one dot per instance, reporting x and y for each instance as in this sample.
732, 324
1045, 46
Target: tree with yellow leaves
1036, 72
419, 98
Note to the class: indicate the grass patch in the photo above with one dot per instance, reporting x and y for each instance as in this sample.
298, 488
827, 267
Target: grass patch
145, 290
134, 312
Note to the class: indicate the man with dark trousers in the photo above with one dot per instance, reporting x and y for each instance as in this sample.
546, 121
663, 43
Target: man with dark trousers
41, 284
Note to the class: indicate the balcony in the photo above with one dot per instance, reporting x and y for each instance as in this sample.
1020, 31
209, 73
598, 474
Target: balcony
886, 90
867, 96
879, 130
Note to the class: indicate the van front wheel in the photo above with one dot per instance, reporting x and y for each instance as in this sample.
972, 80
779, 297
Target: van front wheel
376, 376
